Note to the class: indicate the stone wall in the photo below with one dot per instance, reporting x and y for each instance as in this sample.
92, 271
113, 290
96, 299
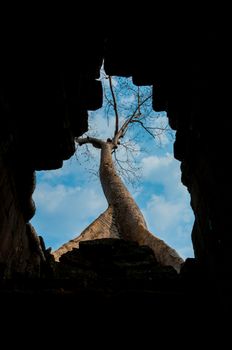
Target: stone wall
189, 67
47, 90
21, 252
47, 84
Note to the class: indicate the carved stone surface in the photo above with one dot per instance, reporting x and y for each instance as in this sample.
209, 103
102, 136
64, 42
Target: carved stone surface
112, 265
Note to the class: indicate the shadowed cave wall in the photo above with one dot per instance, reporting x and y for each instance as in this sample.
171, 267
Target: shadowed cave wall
49, 83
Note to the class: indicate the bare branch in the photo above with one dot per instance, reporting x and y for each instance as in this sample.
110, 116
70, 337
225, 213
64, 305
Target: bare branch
125, 125
115, 106
133, 105
127, 169
97, 143
139, 106
109, 103
144, 127
106, 97
138, 98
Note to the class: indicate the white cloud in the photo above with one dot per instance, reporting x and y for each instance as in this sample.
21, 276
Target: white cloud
170, 220
60, 198
64, 211
162, 139
50, 198
164, 170
161, 123
99, 122
70, 167
152, 164
127, 99
168, 212
164, 213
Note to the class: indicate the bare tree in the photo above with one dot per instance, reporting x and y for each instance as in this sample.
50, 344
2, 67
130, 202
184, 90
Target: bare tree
123, 213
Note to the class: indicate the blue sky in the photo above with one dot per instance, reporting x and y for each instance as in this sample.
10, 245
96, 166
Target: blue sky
69, 199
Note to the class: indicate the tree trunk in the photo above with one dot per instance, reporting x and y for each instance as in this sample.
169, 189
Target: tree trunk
129, 219
123, 218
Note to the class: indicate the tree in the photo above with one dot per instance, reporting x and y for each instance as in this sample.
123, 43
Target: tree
123, 214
